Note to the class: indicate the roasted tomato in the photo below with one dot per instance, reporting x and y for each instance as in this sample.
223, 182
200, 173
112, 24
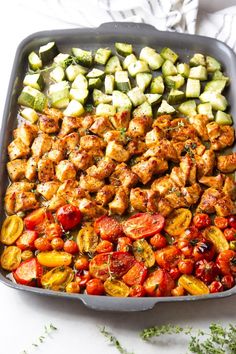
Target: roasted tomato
11, 258
95, 287
108, 228
54, 259
159, 283
226, 262
175, 273
143, 252
73, 288
82, 263
178, 291
114, 263
186, 266
143, 225
124, 244
82, 277
228, 281
69, 216
230, 234
136, 275
158, 241
117, 288
178, 221
104, 246
221, 222
26, 240
232, 221
193, 285
137, 291
57, 278
216, 236
70, 246
42, 244
12, 228
216, 287
201, 221
188, 239
29, 272
204, 249
53, 230
87, 239
168, 257
206, 271
57, 243
36, 220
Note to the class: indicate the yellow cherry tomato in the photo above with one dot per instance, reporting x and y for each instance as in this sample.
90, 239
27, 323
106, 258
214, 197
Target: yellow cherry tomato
193, 285
57, 278
87, 239
216, 236
117, 288
53, 259
178, 221
12, 228
11, 258
143, 252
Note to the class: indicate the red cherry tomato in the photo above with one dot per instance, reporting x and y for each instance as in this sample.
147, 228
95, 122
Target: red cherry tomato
228, 281
230, 234
57, 243
82, 277
201, 220
35, 218
216, 287
82, 263
104, 246
168, 257
70, 246
26, 240
226, 261
232, 221
204, 250
175, 273
137, 291
206, 271
95, 287
136, 275
186, 266
159, 283
221, 222
124, 244
188, 240
42, 244
69, 216
29, 272
158, 241
143, 225
108, 228
53, 230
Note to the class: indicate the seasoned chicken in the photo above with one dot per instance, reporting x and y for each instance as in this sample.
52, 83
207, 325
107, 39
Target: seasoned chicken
205, 163
46, 170
162, 148
85, 123
163, 122
116, 152
164, 207
91, 142
48, 124
91, 184
144, 200
31, 171
53, 113
191, 194
14, 189
16, 169
136, 147
229, 188
220, 136
90, 209
101, 126
42, 144
70, 142
65, 170
181, 130
176, 199
209, 200
145, 169
153, 137
18, 149
123, 176
70, 190
115, 135
120, 120
81, 159
104, 169
163, 185
225, 206
25, 201
55, 203
199, 122
26, 133
105, 194
56, 155
139, 126
120, 203
212, 181
227, 163
69, 124
48, 189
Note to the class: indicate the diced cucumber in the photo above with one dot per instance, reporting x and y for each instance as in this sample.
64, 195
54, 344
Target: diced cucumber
143, 80
40, 102
168, 68
197, 59
136, 96
169, 54
153, 58
206, 109
217, 100
124, 49
183, 69
73, 70
175, 96
165, 108
193, 88
100, 97
157, 85
215, 86
94, 83
122, 81
74, 109
57, 74
35, 62
212, 64
121, 101
79, 95
33, 98
109, 84
153, 98
218, 75
63, 60
144, 110
102, 55
175, 81
34, 80
29, 114
113, 65
104, 109
59, 94
198, 72
130, 59
139, 66
80, 82
84, 57
95, 73
188, 108
223, 118
48, 51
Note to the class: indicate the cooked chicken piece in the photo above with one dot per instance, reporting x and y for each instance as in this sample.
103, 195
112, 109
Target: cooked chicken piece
104, 169
199, 122
162, 122
191, 194
85, 123
48, 124
32, 168
225, 206
56, 155
123, 176
163, 185
212, 181
116, 152
42, 144
70, 142
220, 136
230, 188
139, 126
138, 199
161, 165
70, 190
65, 170
105, 194
90, 209
46, 171
227, 163
53, 112
16, 169
90, 184
26, 133
115, 135
48, 189
25, 201
14, 189
91, 142
164, 207
152, 201
176, 199
17, 149
55, 203
162, 148
181, 130
9, 203
205, 163
81, 159
145, 169
187, 165
153, 137
69, 124
121, 120
100, 126
136, 147
178, 177
120, 203
208, 201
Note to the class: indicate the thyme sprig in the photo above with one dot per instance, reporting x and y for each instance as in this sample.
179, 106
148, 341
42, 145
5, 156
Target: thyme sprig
48, 329
114, 341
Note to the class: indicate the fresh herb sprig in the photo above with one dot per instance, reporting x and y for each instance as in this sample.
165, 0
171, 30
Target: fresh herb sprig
48, 329
114, 341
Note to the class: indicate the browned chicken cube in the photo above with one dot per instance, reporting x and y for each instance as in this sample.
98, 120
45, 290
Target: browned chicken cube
123, 176
12, 190
205, 163
153, 137
48, 189
42, 144
48, 124
220, 136
162, 148
116, 152
178, 177
225, 206
208, 201
230, 188
145, 169
70, 142
16, 169
212, 181
100, 126
25, 201
81, 159
163, 122
164, 207
120, 203
191, 194
120, 120
55, 203
115, 135
69, 124
176, 199
90, 209
181, 130
199, 122
163, 185
105, 194
91, 142
46, 171
85, 123
9, 203
65, 170
139, 126
91, 184
32, 168
104, 169
71, 190
227, 163
26, 132
56, 155
136, 147
53, 112
138, 199
17, 149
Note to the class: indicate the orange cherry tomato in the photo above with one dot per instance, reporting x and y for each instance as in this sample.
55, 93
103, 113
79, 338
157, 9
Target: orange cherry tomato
53, 230
186, 266
82, 263
216, 287
124, 244
204, 249
230, 234
82, 277
108, 228
226, 262
35, 218
70, 246
178, 291
29, 272
158, 241
136, 275
221, 222
26, 240
73, 288
168, 257
159, 283
42, 244
95, 287
104, 246
188, 239
137, 291
227, 281
57, 243
69, 216
12, 228
143, 225
201, 220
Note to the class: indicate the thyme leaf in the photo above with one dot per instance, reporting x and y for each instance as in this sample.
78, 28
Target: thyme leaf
48, 329
114, 341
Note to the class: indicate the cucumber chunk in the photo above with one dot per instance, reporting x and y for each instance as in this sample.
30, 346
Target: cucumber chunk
169, 54
100, 97
153, 58
217, 100
95, 73
153, 98
183, 69
94, 83
122, 81
188, 108
157, 85
113, 65
197, 59
84, 57
124, 49
193, 88
34, 80
165, 108
130, 59
57, 74
175, 81
74, 109
218, 75
145, 109
169, 69
33, 98
63, 60
198, 72
139, 66
59, 94
73, 70
223, 118
102, 55
215, 86
175, 97
104, 109
80, 82
35, 62
212, 64
121, 101
109, 84
143, 80
29, 114
206, 109
136, 96
79, 95
48, 51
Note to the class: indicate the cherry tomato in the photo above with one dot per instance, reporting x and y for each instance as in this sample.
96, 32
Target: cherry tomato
27, 254
57, 243
108, 228
178, 221
137, 291
104, 246
54, 258
189, 238
73, 288
69, 216
230, 234
204, 250
201, 220
136, 275
159, 283
206, 271
158, 241
221, 222
143, 225
95, 287
226, 262
124, 244
12, 228
70, 246
29, 272
35, 218
26, 240
168, 257
228, 281
82, 263
186, 266
114, 263
216, 287
11, 258
53, 230
143, 252
232, 221
82, 277
178, 291
42, 244
174, 273
116, 288
57, 278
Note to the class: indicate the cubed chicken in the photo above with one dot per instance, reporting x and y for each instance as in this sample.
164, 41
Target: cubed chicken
53, 113
136, 147
120, 120
178, 177
55, 203
9, 203
208, 201
205, 163
163, 122
70, 142
181, 130
212, 181
138, 199
229, 188
153, 137
100, 126
115, 135
71, 190
18, 149
91, 184
90, 209
32, 168
69, 124
227, 163
116, 152
176, 198
162, 148
42, 144
56, 155
26, 132
81, 159
145, 170
220, 136
46, 170
48, 124
104, 169
91, 142
199, 122
25, 201
85, 123
105, 194
188, 166
164, 207
191, 194
123, 176
16, 169
139, 126
12, 191
120, 203
48, 189
152, 201
163, 185
65, 170
225, 207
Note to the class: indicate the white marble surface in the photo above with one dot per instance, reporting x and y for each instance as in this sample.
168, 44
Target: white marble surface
23, 316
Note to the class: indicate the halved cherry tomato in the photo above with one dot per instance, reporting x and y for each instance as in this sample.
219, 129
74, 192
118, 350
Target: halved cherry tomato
95, 287
201, 220
168, 257
206, 271
159, 283
35, 218
228, 281
216, 287
226, 262
204, 249
42, 244
54, 259
26, 240
27, 254
73, 288
193, 285
232, 221
69, 216
87, 239
216, 236
12, 228
174, 273
29, 272
82, 263
82, 277
136, 275
158, 241
114, 263
57, 278
117, 288
70, 246
124, 244
11, 258
186, 266
143, 225
143, 253
221, 222
230, 234
53, 230
108, 228
178, 291
188, 239
178, 221
137, 291
104, 246
57, 243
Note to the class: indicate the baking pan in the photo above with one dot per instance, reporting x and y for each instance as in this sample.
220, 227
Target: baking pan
140, 35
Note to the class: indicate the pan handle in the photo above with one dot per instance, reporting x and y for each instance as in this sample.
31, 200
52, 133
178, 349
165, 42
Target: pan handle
128, 25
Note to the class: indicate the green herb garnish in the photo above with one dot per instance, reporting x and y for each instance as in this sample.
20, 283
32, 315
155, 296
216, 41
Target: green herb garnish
114, 341
48, 329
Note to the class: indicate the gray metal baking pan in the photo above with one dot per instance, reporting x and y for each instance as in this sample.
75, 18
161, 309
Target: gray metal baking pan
105, 35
